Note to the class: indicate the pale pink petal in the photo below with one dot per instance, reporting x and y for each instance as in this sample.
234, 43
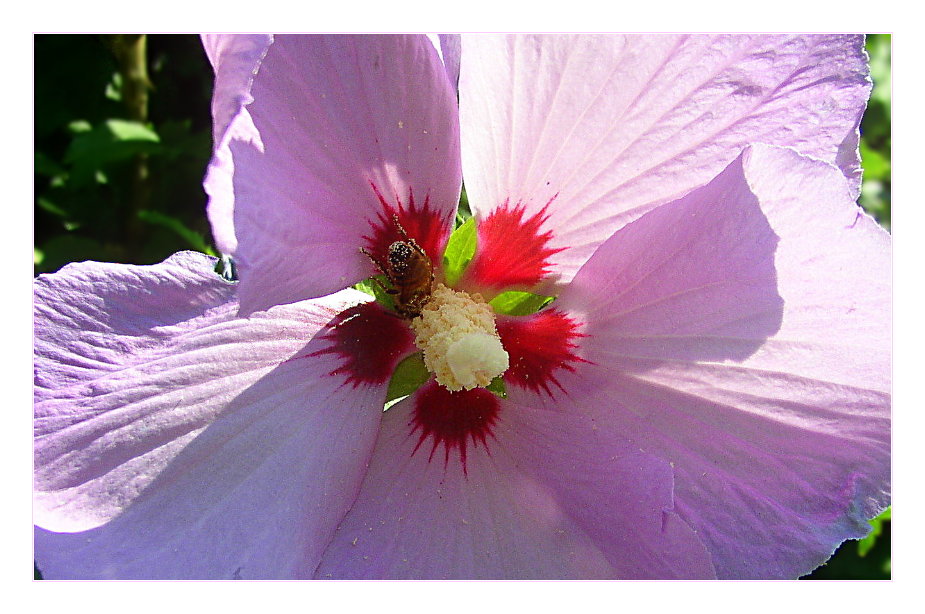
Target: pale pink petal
97, 318
349, 130
451, 48
743, 333
173, 440
235, 58
544, 495
602, 128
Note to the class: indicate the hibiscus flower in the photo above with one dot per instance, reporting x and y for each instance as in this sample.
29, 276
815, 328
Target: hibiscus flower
708, 394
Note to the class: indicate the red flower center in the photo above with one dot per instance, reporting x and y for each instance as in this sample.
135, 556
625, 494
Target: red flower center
453, 419
370, 342
512, 253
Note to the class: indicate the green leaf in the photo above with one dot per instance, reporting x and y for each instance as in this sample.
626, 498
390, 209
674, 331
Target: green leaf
365, 286
515, 303
497, 386
879, 47
376, 290
178, 139
44, 165
463, 212
193, 238
876, 125
46, 205
410, 374
460, 250
876, 165
114, 88
66, 219
112, 141
865, 545
875, 198
79, 126
125, 130
59, 250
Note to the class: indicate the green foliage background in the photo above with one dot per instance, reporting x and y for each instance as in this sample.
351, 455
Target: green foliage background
123, 136
112, 183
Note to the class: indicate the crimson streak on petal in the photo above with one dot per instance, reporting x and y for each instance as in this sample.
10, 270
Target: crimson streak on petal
370, 342
453, 418
422, 223
538, 346
512, 251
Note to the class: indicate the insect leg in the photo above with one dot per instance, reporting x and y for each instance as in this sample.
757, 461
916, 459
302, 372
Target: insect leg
382, 268
384, 289
401, 229
406, 238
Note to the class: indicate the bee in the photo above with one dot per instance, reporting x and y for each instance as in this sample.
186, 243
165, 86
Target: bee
410, 272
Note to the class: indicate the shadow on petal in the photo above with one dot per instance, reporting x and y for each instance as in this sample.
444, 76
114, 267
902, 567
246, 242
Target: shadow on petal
694, 280
255, 493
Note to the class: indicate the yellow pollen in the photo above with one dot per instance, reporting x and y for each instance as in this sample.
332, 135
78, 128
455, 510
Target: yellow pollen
461, 346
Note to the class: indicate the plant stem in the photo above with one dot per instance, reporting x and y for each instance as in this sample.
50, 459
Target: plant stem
131, 55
